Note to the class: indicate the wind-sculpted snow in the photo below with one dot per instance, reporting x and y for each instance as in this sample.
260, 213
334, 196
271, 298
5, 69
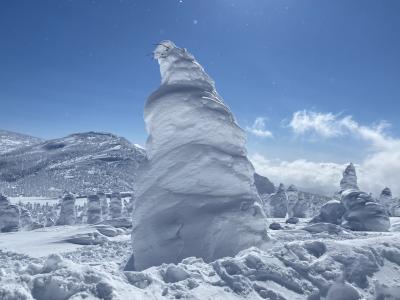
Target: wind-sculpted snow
292, 199
115, 206
356, 210
9, 218
4, 202
391, 204
94, 210
363, 213
68, 211
331, 212
349, 180
104, 205
25, 218
276, 204
196, 194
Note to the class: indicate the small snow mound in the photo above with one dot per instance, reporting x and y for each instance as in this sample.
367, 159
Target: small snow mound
342, 291
175, 274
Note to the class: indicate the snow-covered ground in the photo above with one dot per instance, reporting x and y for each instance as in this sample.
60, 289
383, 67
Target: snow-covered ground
42, 264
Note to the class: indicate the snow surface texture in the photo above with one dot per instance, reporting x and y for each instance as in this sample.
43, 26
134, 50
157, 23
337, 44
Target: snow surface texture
299, 266
196, 194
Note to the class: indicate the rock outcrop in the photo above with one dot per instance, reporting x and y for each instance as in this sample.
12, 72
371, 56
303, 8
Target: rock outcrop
263, 184
196, 194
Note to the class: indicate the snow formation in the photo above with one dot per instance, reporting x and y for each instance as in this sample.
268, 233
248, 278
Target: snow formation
68, 212
196, 193
4, 202
276, 204
25, 218
115, 206
349, 180
103, 204
391, 204
94, 210
292, 199
363, 213
356, 209
331, 212
9, 218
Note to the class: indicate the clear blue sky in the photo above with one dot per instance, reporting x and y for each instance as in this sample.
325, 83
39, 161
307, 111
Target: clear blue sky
73, 66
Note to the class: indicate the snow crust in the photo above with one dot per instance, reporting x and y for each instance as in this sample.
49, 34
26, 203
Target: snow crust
196, 194
299, 266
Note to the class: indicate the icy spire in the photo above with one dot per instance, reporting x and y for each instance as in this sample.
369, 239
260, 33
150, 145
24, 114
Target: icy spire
349, 180
196, 193
177, 66
292, 199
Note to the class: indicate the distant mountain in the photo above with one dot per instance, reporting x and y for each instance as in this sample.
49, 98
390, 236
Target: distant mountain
80, 163
263, 184
10, 141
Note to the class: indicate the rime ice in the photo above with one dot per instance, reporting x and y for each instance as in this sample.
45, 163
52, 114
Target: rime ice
196, 194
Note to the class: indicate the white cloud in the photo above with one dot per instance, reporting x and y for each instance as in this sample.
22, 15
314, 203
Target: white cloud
380, 168
258, 128
326, 125
313, 176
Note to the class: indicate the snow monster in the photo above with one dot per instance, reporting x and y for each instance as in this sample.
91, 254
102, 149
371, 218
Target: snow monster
196, 194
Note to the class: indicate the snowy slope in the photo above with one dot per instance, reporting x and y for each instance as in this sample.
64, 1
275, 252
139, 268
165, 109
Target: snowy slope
79, 163
299, 266
10, 141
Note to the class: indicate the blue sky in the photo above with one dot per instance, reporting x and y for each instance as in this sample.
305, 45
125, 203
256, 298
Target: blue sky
72, 66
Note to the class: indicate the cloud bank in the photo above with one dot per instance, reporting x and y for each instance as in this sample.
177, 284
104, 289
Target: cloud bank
379, 168
258, 128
